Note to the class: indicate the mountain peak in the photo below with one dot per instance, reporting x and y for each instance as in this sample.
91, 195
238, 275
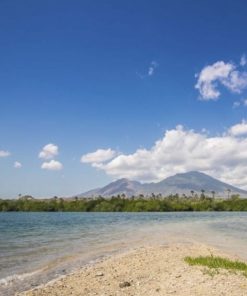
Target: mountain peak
122, 180
181, 183
193, 173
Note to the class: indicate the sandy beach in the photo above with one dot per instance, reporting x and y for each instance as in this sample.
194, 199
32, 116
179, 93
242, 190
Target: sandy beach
156, 270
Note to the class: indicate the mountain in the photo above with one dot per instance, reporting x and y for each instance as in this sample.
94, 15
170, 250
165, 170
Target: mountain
180, 183
121, 186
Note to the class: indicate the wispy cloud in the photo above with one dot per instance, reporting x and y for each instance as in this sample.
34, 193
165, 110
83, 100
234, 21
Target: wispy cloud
151, 70
180, 150
52, 165
220, 74
4, 153
17, 165
49, 151
243, 60
240, 103
236, 104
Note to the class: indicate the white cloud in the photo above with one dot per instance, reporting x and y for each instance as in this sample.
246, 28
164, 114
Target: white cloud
152, 67
151, 70
206, 83
236, 82
239, 129
4, 153
182, 150
100, 155
236, 104
17, 165
243, 60
220, 73
49, 151
52, 165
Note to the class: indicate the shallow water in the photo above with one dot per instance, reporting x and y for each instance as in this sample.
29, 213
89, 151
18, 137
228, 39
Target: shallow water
37, 247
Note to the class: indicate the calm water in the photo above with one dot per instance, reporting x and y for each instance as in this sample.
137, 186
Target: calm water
37, 247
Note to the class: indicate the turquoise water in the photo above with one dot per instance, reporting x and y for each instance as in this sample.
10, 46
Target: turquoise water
37, 247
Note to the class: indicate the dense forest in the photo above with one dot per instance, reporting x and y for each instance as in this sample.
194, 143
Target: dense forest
123, 204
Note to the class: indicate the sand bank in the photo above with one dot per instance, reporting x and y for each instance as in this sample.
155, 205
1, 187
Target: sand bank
158, 270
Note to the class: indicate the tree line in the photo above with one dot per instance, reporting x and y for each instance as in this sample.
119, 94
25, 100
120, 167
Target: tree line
155, 203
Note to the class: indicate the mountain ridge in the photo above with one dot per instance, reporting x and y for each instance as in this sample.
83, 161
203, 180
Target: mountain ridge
181, 183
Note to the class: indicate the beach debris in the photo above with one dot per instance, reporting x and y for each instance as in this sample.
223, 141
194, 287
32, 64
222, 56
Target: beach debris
99, 273
124, 284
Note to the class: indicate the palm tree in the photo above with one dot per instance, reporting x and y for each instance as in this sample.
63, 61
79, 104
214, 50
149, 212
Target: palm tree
159, 195
202, 194
123, 196
213, 193
228, 193
141, 196
192, 193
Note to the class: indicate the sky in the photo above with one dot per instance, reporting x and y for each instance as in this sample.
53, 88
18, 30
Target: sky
93, 91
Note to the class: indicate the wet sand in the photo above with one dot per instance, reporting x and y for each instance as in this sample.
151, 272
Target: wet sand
149, 271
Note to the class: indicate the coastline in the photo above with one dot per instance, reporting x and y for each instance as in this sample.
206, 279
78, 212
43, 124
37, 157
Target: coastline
148, 270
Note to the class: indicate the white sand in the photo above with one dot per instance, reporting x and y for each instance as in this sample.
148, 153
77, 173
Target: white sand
150, 271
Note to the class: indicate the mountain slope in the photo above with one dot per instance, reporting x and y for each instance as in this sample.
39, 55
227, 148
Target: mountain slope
121, 186
196, 181
180, 183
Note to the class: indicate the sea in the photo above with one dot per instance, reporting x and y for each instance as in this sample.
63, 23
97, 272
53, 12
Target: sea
38, 247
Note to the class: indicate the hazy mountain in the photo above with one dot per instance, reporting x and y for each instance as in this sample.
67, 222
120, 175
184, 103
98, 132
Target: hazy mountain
179, 183
121, 186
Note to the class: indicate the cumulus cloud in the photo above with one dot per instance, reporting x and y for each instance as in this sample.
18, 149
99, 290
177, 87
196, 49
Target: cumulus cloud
49, 151
52, 165
99, 156
239, 129
4, 153
17, 165
220, 73
182, 150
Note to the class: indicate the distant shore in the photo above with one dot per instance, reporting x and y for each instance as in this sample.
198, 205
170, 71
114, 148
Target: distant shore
155, 203
149, 271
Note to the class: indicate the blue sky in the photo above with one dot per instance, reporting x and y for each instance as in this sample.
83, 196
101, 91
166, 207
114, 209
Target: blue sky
89, 75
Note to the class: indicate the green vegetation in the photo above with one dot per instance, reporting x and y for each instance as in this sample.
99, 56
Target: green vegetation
216, 263
155, 203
